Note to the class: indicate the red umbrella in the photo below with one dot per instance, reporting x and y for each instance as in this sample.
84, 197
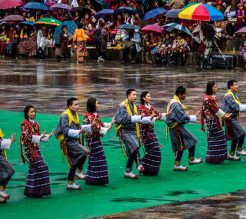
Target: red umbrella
5, 4
14, 18
153, 28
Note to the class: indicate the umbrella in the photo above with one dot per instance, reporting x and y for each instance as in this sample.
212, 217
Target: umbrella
36, 6
200, 12
49, 21
71, 27
6, 4
61, 6
126, 10
128, 27
104, 12
153, 28
13, 18
172, 26
153, 13
173, 13
96, 5
29, 23
242, 31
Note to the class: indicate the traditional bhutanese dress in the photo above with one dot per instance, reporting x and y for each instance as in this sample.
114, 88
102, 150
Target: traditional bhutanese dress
128, 131
97, 171
38, 183
231, 104
151, 161
217, 147
181, 138
6, 170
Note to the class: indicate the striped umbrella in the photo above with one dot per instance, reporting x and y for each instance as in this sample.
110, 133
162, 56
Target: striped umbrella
49, 21
200, 12
174, 26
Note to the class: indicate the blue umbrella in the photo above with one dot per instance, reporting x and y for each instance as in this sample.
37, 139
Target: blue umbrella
104, 12
174, 26
173, 13
30, 23
153, 13
126, 10
71, 27
128, 27
36, 6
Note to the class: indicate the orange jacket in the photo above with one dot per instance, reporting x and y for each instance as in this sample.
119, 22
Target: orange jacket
79, 35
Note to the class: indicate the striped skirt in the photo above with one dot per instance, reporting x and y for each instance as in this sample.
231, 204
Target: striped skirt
6, 171
152, 159
38, 183
97, 171
217, 147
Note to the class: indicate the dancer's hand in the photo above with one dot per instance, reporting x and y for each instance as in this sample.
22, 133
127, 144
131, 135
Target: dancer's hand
227, 115
51, 133
12, 138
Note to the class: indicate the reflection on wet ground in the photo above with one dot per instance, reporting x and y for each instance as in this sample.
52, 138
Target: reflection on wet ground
47, 84
228, 206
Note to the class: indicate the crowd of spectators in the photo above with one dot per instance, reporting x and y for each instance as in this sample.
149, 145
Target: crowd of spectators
170, 48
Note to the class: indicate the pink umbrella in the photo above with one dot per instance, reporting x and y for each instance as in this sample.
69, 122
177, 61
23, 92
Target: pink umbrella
5, 4
153, 28
13, 18
242, 31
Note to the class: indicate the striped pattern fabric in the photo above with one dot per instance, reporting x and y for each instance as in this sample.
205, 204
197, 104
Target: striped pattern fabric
38, 183
217, 147
6, 170
237, 130
130, 140
97, 171
152, 159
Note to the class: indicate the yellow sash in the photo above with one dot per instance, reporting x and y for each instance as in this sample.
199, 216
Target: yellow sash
71, 118
175, 99
129, 112
2, 137
235, 97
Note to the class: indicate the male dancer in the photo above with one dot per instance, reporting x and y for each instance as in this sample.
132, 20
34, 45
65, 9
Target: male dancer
181, 138
234, 131
127, 123
6, 170
68, 132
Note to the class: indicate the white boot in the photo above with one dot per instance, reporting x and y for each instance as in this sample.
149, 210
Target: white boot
179, 168
131, 175
80, 175
2, 200
195, 161
4, 195
234, 157
242, 152
73, 186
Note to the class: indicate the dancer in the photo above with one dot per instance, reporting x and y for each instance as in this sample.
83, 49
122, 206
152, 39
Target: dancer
6, 170
38, 183
181, 138
127, 124
97, 171
68, 132
151, 161
234, 131
217, 147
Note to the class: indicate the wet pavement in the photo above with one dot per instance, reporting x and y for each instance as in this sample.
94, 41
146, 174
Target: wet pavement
48, 83
228, 206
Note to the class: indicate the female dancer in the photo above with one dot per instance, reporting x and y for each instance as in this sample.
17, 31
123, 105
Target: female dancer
97, 171
217, 148
38, 183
